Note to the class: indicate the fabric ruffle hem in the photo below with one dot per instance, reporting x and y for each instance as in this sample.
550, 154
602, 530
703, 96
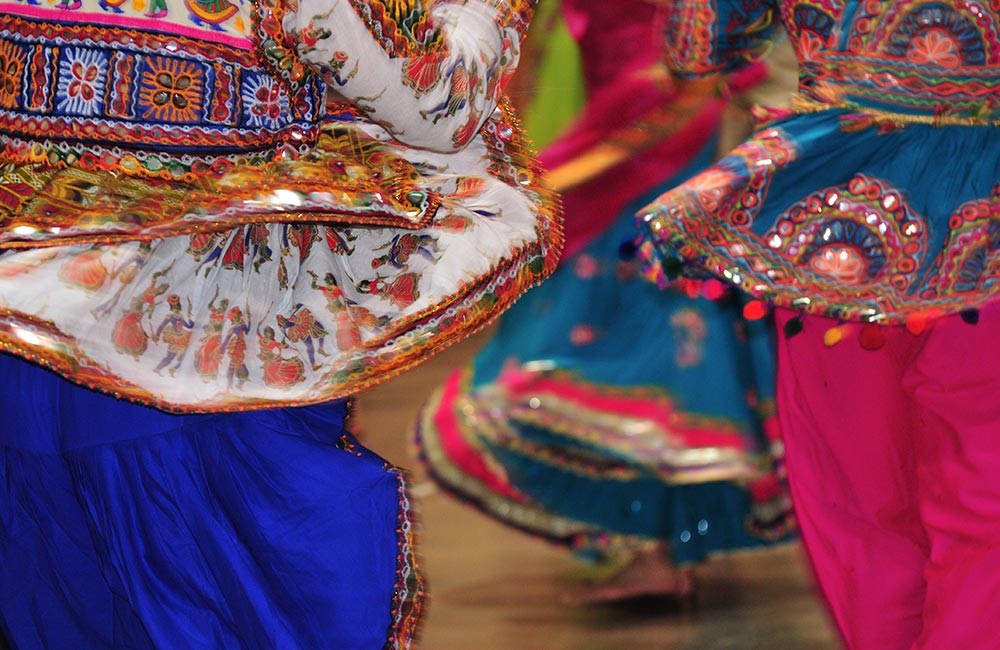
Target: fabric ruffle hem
875, 197
290, 282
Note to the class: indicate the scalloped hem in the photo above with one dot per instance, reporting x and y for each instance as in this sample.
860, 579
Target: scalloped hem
855, 247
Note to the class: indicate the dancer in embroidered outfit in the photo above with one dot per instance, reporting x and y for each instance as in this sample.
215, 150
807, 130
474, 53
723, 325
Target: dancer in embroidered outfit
604, 414
873, 208
172, 188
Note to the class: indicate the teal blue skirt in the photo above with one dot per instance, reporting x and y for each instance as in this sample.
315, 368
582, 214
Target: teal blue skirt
605, 412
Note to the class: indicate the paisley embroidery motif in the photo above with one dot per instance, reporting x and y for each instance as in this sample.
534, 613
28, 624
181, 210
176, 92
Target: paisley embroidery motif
170, 90
970, 260
861, 233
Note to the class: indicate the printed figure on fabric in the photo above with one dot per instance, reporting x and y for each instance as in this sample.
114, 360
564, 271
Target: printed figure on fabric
189, 148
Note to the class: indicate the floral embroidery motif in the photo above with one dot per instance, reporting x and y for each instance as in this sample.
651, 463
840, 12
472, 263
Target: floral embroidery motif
810, 47
934, 47
265, 101
844, 263
81, 82
930, 33
861, 233
12, 62
171, 90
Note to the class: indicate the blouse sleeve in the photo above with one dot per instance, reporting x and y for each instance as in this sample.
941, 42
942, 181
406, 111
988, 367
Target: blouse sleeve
709, 36
429, 71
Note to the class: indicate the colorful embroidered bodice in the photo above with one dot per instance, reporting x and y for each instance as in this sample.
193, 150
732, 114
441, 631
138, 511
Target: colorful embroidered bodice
876, 196
920, 58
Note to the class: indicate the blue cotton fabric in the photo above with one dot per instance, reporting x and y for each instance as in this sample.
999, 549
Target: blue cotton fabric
128, 528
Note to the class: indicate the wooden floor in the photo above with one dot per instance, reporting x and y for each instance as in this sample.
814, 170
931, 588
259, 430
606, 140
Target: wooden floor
496, 589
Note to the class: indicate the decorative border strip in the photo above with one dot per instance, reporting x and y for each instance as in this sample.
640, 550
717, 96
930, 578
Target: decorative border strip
470, 309
526, 517
799, 289
319, 188
23, 234
410, 590
145, 24
162, 97
965, 95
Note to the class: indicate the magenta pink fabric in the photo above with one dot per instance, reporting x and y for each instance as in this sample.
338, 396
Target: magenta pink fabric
894, 463
460, 451
633, 31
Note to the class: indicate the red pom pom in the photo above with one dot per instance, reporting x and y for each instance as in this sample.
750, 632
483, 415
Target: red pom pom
754, 310
872, 337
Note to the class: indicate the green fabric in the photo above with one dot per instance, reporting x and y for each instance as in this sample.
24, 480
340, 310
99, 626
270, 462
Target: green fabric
559, 92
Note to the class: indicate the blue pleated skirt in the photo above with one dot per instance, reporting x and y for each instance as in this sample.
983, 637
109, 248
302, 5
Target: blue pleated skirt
125, 527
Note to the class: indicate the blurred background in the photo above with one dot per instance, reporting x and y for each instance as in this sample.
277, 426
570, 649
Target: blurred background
493, 588
586, 69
